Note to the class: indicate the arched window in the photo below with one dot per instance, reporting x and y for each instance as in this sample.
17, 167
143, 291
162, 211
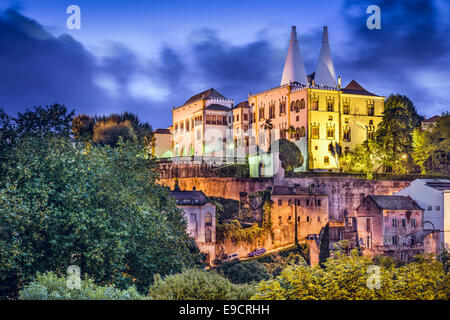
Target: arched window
370, 110
297, 133
302, 104
297, 105
208, 219
292, 105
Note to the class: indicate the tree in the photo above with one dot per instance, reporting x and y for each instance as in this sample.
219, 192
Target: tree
394, 133
355, 277
195, 284
110, 132
50, 286
431, 149
51, 119
289, 154
83, 127
98, 208
244, 271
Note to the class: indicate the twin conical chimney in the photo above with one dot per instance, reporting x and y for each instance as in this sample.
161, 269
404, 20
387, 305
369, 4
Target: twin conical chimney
294, 68
325, 74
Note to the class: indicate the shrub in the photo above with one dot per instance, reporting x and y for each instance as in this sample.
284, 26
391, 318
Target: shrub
244, 271
49, 286
196, 284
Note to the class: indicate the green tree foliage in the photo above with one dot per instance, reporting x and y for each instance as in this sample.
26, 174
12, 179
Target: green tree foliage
346, 277
49, 286
142, 130
40, 121
289, 154
394, 133
99, 208
195, 284
432, 149
110, 132
244, 271
276, 262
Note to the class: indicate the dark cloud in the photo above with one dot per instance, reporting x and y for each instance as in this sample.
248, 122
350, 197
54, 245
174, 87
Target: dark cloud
38, 68
405, 56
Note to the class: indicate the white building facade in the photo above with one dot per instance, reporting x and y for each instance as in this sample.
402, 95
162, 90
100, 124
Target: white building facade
433, 195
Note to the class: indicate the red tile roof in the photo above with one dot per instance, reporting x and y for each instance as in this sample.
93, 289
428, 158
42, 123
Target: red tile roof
207, 94
355, 88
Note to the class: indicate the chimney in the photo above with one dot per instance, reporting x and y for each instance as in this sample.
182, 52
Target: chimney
294, 68
325, 74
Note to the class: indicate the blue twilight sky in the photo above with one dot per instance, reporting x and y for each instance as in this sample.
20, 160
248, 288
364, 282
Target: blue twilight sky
147, 56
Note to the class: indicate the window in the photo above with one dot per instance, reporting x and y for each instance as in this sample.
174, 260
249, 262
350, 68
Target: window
404, 223
302, 132
368, 224
280, 220
413, 222
208, 219
319, 203
346, 135
307, 219
371, 122
326, 160
438, 208
413, 240
430, 208
245, 117
314, 104
330, 105
289, 218
349, 222
318, 219
330, 133
193, 217
370, 110
292, 105
208, 235
394, 223
187, 125
280, 202
302, 104
282, 107
315, 131
297, 118
394, 240
346, 108
297, 105
307, 202
330, 118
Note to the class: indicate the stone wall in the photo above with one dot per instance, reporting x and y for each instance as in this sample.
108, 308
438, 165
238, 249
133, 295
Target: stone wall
344, 193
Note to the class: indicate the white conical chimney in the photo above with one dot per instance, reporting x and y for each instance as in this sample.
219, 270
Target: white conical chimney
294, 69
325, 74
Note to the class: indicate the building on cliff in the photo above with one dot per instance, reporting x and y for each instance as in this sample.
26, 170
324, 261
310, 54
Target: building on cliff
200, 214
392, 226
322, 118
433, 195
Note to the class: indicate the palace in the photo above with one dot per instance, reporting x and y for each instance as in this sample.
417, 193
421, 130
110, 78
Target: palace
324, 119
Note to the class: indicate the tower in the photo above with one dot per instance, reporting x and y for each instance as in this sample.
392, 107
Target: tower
325, 74
294, 69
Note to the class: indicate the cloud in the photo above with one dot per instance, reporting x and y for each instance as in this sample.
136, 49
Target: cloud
407, 55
